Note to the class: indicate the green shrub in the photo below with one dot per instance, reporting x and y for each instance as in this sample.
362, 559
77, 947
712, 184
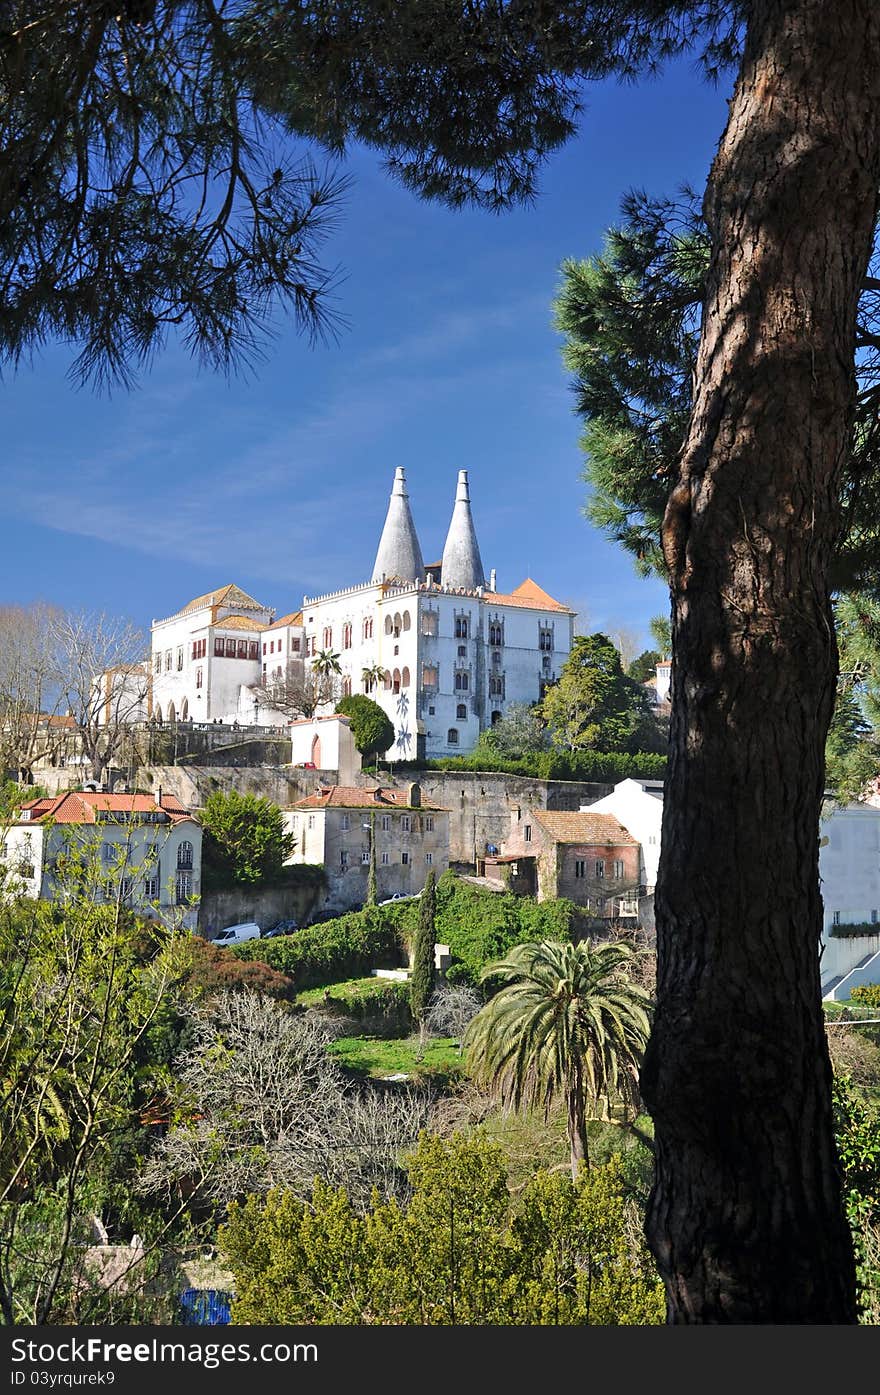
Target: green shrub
332, 951
867, 995
851, 932
380, 1006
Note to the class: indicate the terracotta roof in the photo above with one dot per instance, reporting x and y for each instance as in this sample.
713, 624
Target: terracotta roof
239, 622
81, 806
294, 618
592, 829
529, 596
346, 797
224, 595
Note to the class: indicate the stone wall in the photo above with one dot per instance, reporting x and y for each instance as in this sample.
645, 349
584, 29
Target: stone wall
479, 805
265, 905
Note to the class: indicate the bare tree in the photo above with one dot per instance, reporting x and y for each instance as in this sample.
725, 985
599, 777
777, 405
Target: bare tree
104, 679
451, 1008
301, 691
29, 689
270, 1108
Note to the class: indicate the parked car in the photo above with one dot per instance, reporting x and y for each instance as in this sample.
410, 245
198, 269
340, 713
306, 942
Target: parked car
237, 934
281, 927
400, 896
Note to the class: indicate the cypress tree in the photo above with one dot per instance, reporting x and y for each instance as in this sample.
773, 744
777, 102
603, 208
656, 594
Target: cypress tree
422, 978
372, 891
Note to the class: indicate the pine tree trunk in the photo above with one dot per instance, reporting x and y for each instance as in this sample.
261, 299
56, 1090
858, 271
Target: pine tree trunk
746, 1218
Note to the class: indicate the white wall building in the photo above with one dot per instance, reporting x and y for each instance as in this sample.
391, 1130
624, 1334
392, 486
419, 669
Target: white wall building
454, 652
144, 851
448, 652
205, 654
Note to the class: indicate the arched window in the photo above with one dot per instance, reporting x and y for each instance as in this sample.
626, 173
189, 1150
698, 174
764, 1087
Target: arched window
346, 635
327, 638
368, 629
462, 682
461, 627
172, 714
404, 678
346, 686
496, 718
185, 854
184, 712
406, 621
495, 633
461, 712
398, 624
157, 713
386, 681
452, 736
389, 624
316, 752
395, 681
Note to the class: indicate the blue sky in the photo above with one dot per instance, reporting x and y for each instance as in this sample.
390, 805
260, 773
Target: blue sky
279, 481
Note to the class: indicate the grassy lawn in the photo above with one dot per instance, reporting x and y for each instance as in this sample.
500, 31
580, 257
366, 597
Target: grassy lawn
379, 1058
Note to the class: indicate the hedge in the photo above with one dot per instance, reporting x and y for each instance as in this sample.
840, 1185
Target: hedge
594, 767
851, 932
349, 947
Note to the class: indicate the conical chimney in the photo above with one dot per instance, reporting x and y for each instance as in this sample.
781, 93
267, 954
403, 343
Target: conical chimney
399, 552
462, 566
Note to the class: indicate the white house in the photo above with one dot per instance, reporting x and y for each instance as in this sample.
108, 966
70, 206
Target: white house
142, 850
638, 805
204, 655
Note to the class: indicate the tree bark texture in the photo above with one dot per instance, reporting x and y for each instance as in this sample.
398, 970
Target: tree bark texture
746, 1218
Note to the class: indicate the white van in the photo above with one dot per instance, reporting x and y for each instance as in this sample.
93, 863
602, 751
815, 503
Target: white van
237, 934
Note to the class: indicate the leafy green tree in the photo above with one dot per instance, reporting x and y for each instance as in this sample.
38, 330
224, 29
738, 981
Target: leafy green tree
566, 1022
421, 984
519, 732
594, 704
371, 727
84, 993
244, 839
644, 666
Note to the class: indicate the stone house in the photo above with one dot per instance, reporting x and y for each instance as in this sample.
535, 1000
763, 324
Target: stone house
589, 858
335, 826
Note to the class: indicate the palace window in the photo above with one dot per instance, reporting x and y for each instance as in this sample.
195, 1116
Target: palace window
461, 627
429, 623
327, 638
462, 681
452, 736
461, 712
545, 637
496, 633
346, 635
199, 677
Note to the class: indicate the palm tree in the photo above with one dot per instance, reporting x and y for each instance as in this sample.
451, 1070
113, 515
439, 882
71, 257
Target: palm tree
326, 663
567, 1021
372, 676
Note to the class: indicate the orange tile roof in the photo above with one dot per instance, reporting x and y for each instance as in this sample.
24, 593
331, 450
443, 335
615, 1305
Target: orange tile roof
224, 595
81, 806
346, 797
239, 622
591, 829
529, 596
294, 618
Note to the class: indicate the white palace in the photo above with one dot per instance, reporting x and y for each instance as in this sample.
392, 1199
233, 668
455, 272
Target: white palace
454, 652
